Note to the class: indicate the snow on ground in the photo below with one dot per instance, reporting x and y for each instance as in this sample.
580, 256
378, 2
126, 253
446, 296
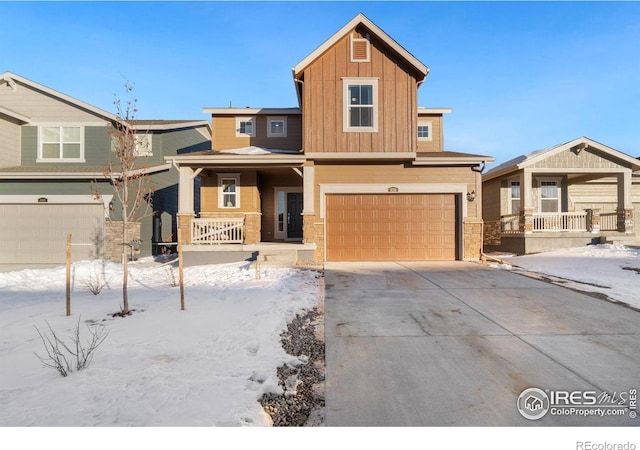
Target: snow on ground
613, 270
160, 366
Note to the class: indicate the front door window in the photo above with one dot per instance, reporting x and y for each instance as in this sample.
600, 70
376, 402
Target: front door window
288, 215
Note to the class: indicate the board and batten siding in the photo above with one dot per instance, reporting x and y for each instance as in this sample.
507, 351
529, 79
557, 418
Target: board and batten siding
322, 101
224, 133
9, 142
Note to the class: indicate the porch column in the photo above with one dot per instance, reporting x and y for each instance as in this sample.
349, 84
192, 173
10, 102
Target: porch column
308, 210
625, 205
593, 220
185, 203
526, 202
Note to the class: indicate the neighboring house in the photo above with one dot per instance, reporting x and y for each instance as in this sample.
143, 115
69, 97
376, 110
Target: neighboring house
569, 195
52, 147
357, 172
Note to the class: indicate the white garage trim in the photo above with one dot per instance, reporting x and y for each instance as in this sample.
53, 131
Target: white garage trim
57, 199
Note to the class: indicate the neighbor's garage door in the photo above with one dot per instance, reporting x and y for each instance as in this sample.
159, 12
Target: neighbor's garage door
388, 227
37, 233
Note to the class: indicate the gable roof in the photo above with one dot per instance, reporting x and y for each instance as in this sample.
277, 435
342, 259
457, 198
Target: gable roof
361, 19
523, 161
11, 78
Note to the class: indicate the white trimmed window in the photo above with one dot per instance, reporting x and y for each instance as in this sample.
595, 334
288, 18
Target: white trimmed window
143, 145
360, 104
229, 190
245, 126
424, 130
276, 127
549, 196
61, 143
514, 196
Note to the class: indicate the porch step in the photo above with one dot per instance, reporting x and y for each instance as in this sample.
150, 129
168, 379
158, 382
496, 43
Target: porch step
277, 258
619, 240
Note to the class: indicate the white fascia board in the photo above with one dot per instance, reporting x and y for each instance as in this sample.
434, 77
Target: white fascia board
423, 110
59, 95
15, 115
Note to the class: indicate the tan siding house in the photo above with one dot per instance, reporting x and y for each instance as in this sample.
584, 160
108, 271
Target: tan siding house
572, 194
357, 172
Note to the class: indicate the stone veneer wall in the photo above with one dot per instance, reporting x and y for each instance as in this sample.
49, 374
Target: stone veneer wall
113, 238
492, 232
472, 240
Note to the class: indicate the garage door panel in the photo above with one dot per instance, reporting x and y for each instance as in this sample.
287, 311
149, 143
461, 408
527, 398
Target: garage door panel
390, 227
37, 233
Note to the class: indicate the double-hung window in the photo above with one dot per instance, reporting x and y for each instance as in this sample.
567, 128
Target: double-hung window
360, 104
424, 130
276, 127
245, 126
229, 190
549, 199
61, 143
514, 196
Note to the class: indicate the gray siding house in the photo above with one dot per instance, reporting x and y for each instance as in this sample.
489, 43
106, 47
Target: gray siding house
52, 147
572, 194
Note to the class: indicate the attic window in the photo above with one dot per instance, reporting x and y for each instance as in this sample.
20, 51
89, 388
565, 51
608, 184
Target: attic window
360, 48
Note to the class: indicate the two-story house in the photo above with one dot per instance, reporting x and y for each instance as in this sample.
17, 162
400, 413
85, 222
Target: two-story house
356, 172
52, 147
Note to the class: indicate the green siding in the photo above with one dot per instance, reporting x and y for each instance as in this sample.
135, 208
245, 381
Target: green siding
29, 145
97, 146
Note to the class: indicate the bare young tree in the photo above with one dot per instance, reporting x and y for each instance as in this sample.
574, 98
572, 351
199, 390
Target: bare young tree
130, 181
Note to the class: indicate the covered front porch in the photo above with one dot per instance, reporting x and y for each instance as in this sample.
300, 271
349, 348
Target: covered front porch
251, 204
552, 209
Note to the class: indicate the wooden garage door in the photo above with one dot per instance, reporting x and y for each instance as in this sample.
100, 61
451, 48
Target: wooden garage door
37, 233
390, 227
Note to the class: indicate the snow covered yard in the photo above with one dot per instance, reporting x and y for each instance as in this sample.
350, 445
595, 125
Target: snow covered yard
612, 270
205, 366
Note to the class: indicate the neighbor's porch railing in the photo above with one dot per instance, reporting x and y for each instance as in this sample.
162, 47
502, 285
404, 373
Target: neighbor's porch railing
510, 223
217, 231
566, 221
609, 221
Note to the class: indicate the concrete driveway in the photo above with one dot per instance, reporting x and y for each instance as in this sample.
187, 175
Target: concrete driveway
438, 344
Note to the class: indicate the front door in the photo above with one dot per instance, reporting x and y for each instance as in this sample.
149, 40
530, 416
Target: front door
288, 221
294, 215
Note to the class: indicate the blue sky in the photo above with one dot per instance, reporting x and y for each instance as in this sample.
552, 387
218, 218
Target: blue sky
519, 76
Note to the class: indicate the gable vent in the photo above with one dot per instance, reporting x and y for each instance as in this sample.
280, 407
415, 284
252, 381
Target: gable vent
360, 51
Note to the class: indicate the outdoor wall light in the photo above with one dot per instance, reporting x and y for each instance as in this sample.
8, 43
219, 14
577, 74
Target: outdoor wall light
111, 205
471, 196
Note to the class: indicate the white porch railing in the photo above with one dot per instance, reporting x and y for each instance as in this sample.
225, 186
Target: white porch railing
609, 221
510, 223
217, 231
567, 221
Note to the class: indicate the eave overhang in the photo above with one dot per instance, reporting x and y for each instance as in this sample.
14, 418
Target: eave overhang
524, 161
